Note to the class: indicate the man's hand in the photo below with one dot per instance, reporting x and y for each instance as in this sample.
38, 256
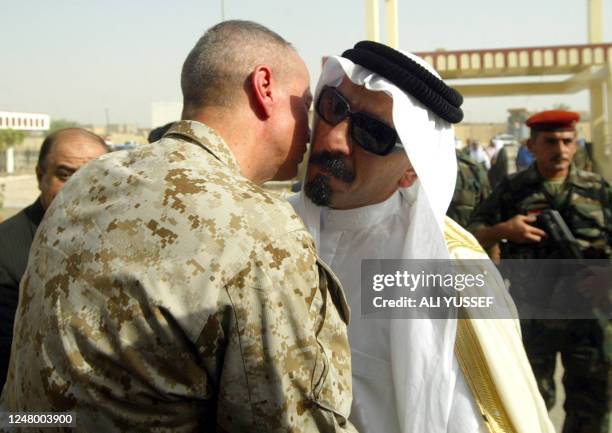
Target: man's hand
518, 230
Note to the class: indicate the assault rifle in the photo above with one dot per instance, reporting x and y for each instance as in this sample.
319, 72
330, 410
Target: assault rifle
553, 223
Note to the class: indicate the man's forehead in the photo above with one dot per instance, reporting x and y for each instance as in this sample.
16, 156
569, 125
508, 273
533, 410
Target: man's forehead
75, 145
558, 134
361, 99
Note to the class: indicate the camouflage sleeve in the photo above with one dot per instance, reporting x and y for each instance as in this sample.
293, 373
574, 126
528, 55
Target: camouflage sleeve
487, 213
483, 180
288, 345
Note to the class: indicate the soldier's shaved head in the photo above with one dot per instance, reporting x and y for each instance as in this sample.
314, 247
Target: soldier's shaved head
217, 68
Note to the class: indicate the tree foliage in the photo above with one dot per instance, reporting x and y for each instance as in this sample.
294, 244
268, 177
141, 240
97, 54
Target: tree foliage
57, 124
10, 137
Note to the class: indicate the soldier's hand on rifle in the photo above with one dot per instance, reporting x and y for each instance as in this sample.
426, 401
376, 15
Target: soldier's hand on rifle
519, 230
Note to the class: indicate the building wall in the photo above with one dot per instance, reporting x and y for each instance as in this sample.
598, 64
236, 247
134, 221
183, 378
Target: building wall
24, 121
483, 132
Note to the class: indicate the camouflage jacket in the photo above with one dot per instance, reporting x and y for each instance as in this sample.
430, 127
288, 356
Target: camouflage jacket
587, 211
471, 188
167, 293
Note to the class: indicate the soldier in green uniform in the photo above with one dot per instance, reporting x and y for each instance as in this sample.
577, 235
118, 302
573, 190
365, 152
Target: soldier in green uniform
471, 188
168, 292
584, 201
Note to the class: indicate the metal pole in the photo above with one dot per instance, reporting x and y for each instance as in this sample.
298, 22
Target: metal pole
107, 119
222, 10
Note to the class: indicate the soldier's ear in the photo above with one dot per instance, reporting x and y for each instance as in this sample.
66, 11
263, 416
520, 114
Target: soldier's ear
408, 178
261, 87
39, 174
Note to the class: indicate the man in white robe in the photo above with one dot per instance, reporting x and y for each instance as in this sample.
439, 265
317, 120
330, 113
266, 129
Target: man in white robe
365, 197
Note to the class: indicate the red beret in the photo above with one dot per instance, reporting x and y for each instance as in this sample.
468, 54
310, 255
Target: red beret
553, 120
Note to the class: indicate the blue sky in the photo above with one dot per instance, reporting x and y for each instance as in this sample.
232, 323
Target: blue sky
75, 59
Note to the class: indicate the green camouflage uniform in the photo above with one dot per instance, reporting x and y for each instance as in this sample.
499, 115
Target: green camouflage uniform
584, 201
167, 293
471, 188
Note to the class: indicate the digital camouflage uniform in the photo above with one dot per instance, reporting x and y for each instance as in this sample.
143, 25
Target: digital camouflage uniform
584, 202
167, 293
471, 188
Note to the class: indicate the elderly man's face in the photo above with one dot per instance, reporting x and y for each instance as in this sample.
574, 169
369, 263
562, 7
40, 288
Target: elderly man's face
343, 175
70, 152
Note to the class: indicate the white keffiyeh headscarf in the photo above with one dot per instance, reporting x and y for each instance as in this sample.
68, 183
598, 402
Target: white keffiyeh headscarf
421, 350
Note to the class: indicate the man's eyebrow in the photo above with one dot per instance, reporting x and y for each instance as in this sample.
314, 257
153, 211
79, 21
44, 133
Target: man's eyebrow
66, 168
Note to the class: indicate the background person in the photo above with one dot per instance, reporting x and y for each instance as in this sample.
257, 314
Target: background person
471, 188
62, 153
584, 201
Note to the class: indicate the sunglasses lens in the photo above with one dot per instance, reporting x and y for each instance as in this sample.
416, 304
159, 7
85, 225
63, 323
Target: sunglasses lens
368, 132
373, 135
331, 107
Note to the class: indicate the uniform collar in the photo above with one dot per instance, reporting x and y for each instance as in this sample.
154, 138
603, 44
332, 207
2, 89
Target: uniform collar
207, 138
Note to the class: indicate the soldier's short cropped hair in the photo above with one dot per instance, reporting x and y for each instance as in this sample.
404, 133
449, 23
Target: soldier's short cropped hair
52, 138
217, 67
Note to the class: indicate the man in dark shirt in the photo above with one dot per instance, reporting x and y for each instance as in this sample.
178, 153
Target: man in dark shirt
61, 154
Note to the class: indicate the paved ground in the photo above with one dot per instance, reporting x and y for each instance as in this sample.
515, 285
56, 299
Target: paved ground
19, 191
22, 190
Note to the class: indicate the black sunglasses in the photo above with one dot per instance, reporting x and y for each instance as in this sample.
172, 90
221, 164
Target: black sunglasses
368, 132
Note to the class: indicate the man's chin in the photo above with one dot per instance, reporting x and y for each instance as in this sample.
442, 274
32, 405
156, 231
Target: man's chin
318, 190
563, 165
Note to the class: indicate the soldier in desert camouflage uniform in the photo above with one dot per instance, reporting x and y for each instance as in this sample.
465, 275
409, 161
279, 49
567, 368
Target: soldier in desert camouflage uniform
584, 201
168, 292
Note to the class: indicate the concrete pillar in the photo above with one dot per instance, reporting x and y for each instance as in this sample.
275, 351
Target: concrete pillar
372, 20
595, 21
10, 159
606, 149
600, 120
391, 23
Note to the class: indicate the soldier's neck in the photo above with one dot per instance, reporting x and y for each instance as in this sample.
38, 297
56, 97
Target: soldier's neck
239, 133
553, 175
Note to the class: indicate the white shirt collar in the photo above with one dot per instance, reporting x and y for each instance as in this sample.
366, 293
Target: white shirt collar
361, 217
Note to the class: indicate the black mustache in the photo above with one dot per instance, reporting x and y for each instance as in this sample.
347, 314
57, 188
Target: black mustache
335, 164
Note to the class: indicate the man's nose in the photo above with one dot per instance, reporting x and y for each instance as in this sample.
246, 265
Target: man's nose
560, 145
338, 138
